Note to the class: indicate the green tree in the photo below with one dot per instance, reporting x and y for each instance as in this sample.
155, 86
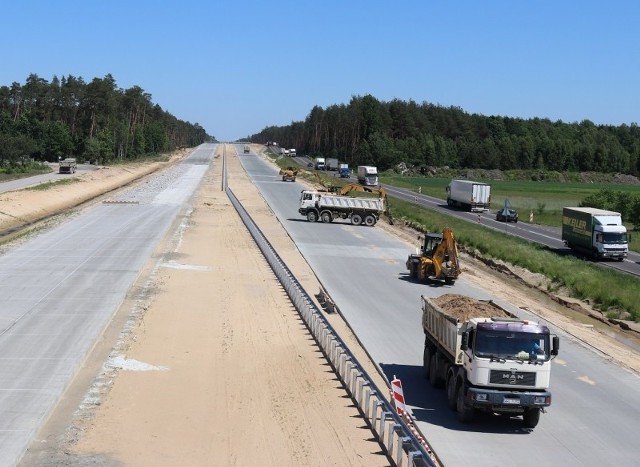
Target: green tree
56, 143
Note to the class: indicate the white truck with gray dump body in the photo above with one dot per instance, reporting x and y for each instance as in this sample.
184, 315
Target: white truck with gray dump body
327, 207
487, 358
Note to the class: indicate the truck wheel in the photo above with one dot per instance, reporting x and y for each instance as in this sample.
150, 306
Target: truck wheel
326, 217
531, 418
426, 360
413, 270
435, 380
356, 219
449, 280
465, 413
370, 221
451, 390
312, 216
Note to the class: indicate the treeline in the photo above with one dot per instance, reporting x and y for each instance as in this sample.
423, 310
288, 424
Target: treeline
370, 132
68, 117
627, 204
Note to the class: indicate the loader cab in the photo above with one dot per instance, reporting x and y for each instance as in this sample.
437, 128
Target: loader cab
430, 245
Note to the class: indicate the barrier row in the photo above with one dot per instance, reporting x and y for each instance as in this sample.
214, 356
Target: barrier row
399, 439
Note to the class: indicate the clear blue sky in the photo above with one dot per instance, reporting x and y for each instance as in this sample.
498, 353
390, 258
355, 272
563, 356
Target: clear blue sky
236, 67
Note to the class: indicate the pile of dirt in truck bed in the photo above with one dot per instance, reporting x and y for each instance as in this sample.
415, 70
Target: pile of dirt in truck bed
463, 308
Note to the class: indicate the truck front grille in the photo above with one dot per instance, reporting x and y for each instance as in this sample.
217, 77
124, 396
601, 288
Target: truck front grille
514, 378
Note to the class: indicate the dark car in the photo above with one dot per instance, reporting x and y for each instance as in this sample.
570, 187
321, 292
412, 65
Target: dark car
507, 215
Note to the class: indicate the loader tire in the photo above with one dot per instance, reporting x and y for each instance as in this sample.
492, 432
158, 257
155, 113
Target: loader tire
413, 270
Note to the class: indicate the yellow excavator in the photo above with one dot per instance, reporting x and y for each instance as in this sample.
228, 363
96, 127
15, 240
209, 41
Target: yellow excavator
289, 174
351, 187
437, 260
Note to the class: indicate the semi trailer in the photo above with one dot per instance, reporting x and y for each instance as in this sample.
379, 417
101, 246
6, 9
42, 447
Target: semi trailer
332, 164
469, 195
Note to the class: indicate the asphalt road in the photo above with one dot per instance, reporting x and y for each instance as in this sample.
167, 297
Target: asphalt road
541, 234
60, 289
547, 236
22, 183
592, 420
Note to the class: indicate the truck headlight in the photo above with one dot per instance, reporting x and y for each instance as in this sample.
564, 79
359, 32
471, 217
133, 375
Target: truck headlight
480, 397
540, 400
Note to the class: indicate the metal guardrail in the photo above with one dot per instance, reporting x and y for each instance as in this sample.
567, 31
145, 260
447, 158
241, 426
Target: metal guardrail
401, 444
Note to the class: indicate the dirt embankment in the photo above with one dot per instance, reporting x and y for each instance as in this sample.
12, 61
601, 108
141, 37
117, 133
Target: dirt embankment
217, 368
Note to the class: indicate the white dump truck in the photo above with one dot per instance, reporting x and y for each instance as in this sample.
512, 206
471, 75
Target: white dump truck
327, 207
595, 232
487, 358
469, 195
67, 166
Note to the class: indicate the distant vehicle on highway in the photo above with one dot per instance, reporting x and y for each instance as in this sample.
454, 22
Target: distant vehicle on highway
68, 166
507, 215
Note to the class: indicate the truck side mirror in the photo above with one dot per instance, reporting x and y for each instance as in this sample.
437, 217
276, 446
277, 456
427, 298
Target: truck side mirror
464, 344
556, 345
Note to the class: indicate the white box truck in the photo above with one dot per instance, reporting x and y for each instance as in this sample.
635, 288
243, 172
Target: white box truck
595, 232
319, 163
332, 164
487, 358
469, 195
367, 175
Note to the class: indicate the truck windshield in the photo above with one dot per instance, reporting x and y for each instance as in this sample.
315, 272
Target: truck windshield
511, 345
613, 237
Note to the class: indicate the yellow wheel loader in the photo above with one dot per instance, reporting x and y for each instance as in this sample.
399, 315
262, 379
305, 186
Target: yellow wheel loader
289, 174
437, 259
